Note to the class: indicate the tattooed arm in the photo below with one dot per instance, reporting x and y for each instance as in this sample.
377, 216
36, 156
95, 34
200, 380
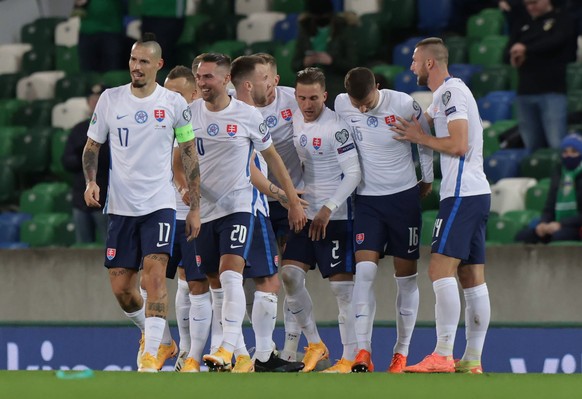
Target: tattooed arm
90, 159
192, 170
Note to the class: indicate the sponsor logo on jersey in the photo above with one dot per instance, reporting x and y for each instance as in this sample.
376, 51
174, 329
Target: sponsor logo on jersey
360, 238
303, 140
390, 119
276, 260
111, 253
342, 136
271, 121
267, 137
372, 121
94, 118
287, 114
317, 143
212, 129
446, 97
141, 117
231, 130
198, 260
159, 114
346, 148
451, 110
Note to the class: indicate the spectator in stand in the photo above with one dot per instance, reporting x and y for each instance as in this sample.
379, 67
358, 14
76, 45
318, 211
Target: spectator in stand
562, 215
90, 223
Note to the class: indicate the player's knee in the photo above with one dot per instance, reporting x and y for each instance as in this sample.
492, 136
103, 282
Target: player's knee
268, 284
293, 278
366, 271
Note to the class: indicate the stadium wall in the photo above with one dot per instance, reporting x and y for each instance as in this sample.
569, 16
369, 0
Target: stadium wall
528, 284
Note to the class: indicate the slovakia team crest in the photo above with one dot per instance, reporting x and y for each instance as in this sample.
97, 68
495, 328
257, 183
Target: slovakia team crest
111, 253
360, 238
287, 114
317, 143
159, 114
198, 260
391, 119
231, 130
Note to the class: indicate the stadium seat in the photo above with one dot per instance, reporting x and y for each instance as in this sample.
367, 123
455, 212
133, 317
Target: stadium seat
38, 59
389, 72
10, 225
116, 78
216, 9
541, 164
489, 21
7, 136
402, 52
458, 49
508, 194
574, 101
246, 7
432, 200
428, 219
34, 113
492, 78
232, 48
7, 110
67, 114
33, 148
48, 229
369, 32
488, 51
38, 86
361, 7
268, 47
40, 32
214, 30
46, 198
535, 197
72, 86
67, 59
7, 184
11, 56
289, 6
192, 29
496, 105
258, 27
58, 142
502, 164
574, 76
522, 217
8, 82
67, 32
502, 230
492, 133
464, 71
287, 29
284, 56
433, 15
401, 13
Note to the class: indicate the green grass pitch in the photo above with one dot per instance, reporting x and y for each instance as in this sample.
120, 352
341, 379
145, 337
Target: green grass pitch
129, 385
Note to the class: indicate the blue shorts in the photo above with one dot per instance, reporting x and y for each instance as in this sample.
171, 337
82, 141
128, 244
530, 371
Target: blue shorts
184, 255
279, 219
333, 255
230, 234
263, 259
459, 229
389, 224
130, 238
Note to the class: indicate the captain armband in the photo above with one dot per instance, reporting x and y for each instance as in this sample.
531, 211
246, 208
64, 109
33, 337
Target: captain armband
184, 133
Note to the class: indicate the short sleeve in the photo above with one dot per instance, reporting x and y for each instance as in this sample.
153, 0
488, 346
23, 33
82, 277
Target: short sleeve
98, 126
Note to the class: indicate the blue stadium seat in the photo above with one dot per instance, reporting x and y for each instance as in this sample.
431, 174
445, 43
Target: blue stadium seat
503, 164
10, 226
286, 29
405, 81
433, 15
496, 105
464, 71
402, 53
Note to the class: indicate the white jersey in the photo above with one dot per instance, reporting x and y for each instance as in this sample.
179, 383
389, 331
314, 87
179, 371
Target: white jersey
387, 164
321, 146
279, 118
141, 137
225, 141
462, 176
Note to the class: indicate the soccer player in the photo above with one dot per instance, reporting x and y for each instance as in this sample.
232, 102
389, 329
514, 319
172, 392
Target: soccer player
331, 172
277, 109
141, 120
229, 130
193, 306
387, 218
458, 242
249, 75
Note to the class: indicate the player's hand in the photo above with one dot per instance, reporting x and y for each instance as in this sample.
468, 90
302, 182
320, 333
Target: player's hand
284, 201
542, 229
192, 224
552, 227
185, 196
425, 189
319, 224
91, 195
408, 131
297, 217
